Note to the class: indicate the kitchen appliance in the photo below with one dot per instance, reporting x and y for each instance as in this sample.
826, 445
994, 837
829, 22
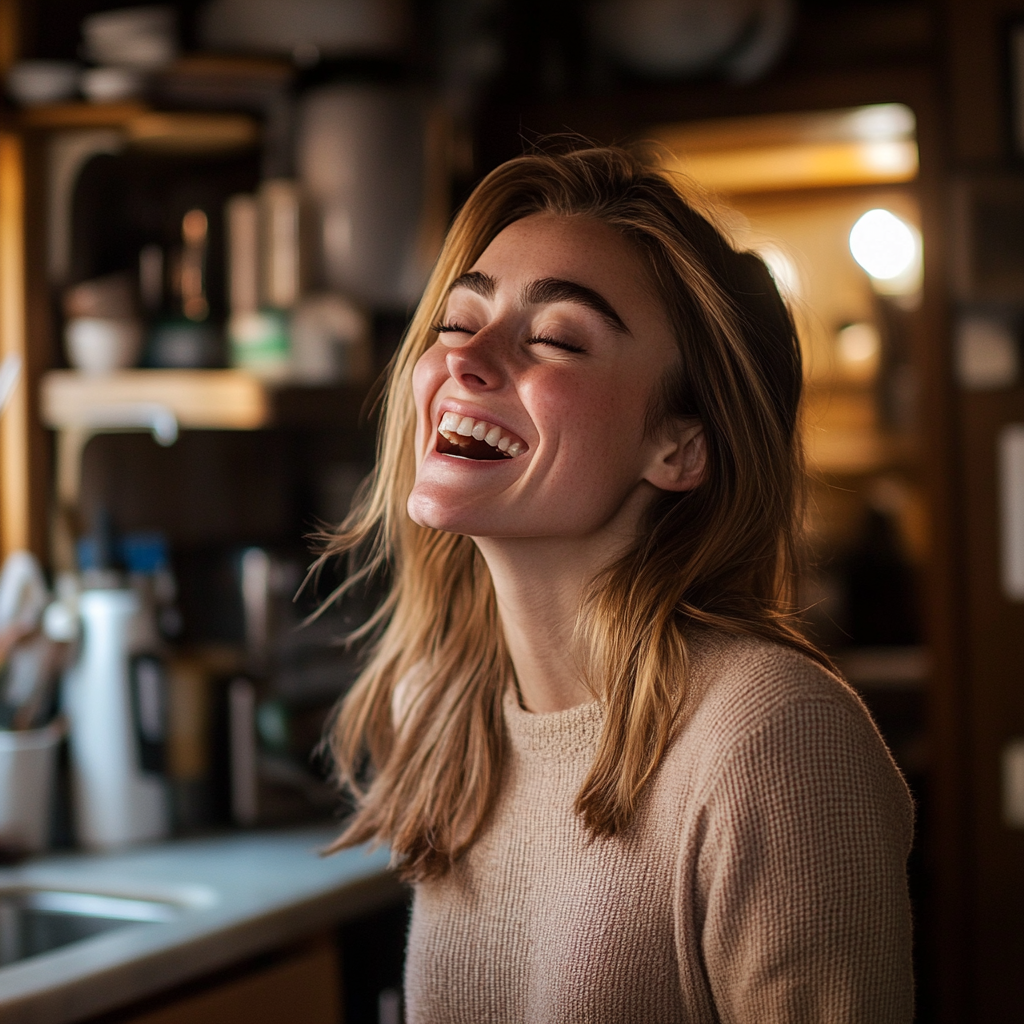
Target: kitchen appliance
366, 162
741, 39
115, 699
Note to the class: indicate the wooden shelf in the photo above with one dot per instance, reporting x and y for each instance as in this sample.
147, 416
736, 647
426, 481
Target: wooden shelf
80, 115
198, 399
163, 131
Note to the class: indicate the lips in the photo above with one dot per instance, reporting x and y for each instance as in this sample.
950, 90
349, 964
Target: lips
470, 438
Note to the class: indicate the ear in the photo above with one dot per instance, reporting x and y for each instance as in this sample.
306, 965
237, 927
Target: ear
679, 461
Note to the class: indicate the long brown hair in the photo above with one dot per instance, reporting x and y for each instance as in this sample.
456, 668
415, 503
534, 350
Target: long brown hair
426, 712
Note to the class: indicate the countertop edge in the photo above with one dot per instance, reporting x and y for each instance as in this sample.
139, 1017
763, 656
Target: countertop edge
221, 945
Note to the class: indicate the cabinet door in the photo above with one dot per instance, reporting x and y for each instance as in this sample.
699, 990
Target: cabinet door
301, 987
996, 675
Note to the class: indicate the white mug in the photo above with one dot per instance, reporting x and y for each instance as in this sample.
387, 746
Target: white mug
101, 345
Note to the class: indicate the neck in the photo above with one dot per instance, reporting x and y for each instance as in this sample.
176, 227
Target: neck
540, 585
538, 602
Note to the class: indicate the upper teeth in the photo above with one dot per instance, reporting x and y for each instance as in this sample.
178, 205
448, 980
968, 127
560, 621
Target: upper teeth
453, 426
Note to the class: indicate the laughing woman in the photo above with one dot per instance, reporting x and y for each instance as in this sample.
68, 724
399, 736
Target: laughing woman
624, 786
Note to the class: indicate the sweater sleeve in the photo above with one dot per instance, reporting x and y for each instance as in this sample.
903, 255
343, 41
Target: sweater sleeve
801, 878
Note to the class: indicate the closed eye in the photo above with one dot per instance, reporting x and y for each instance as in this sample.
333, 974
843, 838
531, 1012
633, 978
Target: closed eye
555, 343
450, 327
453, 327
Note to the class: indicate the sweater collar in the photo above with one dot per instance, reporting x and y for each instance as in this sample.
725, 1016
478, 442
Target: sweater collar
556, 735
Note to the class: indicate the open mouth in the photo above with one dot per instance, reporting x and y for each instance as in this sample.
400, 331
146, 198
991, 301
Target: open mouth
468, 438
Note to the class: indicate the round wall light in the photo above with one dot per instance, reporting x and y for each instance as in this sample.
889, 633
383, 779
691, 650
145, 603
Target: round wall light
889, 249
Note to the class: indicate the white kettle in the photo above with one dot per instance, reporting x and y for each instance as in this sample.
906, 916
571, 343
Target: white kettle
115, 698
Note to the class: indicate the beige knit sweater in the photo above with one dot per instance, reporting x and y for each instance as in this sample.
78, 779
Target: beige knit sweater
763, 881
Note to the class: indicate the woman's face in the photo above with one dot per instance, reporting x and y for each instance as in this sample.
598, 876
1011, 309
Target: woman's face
531, 404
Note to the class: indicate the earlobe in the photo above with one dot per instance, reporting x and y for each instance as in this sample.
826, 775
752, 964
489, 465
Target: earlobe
680, 462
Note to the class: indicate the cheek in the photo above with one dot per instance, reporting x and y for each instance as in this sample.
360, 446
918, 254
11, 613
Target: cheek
427, 376
425, 373
597, 417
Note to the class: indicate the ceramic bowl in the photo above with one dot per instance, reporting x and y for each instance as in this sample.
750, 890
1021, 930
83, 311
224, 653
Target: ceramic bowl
110, 84
30, 82
99, 345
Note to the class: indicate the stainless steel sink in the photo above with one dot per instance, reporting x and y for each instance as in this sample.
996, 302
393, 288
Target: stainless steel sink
34, 921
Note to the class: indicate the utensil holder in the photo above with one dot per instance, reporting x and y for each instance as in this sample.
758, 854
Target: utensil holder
28, 763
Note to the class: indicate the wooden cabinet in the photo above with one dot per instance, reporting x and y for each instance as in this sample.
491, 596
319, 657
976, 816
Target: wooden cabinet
20, 481
301, 983
351, 974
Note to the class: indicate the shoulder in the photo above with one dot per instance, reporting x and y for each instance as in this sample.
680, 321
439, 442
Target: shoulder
737, 685
755, 677
758, 714
796, 826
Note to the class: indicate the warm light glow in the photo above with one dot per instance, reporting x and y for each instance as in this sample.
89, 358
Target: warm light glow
894, 160
888, 248
783, 270
859, 348
882, 122
799, 165
778, 152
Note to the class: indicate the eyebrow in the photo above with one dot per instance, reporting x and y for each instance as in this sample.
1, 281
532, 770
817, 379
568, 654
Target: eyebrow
475, 281
548, 289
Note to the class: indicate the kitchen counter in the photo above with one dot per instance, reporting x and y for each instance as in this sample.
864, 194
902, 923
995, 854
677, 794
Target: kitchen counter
239, 896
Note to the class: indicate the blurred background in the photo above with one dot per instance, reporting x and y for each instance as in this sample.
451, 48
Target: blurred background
215, 221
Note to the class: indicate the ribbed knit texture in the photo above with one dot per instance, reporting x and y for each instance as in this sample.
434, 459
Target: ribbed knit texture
763, 881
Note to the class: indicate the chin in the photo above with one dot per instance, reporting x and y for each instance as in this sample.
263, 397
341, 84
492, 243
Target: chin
439, 512
434, 512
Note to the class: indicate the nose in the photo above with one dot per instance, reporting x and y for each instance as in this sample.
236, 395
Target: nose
476, 364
